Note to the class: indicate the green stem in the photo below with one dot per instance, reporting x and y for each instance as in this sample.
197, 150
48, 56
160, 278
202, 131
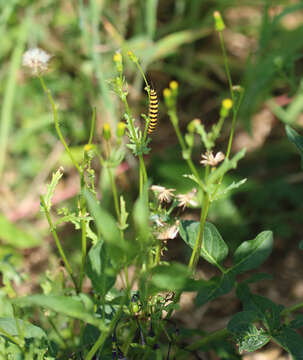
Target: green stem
105, 333
58, 243
227, 70
174, 121
56, 121
12, 339
83, 229
199, 241
115, 194
92, 127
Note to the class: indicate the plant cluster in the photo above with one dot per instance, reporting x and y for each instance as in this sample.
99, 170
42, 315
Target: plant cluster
136, 321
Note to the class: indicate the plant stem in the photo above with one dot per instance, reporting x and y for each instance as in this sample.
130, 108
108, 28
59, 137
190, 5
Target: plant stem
199, 241
56, 121
58, 243
227, 70
92, 127
12, 339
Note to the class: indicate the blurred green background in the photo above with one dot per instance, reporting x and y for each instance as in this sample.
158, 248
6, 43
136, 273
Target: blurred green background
175, 40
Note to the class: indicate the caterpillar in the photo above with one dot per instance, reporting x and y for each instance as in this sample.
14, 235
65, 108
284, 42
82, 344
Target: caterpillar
153, 111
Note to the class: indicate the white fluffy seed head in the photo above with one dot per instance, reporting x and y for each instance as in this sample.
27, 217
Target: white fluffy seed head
37, 60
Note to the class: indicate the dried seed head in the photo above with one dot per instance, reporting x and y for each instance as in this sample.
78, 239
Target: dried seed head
163, 194
37, 60
210, 159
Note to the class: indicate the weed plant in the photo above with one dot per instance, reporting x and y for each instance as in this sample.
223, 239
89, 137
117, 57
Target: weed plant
136, 320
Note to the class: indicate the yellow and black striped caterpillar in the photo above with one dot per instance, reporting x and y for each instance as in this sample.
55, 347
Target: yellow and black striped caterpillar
153, 111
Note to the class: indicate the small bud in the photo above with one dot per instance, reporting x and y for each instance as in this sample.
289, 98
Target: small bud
174, 85
191, 127
118, 61
120, 129
88, 147
225, 107
107, 131
132, 56
167, 93
219, 23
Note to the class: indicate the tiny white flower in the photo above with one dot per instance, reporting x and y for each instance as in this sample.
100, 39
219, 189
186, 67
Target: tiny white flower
209, 159
37, 60
163, 194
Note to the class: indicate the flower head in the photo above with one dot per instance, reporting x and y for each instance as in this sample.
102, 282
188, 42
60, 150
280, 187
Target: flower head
168, 232
209, 159
37, 60
163, 194
188, 199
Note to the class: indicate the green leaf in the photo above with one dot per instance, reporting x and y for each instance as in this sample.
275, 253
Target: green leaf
15, 236
297, 322
99, 269
291, 342
214, 249
266, 310
141, 216
252, 253
227, 165
108, 228
301, 245
213, 288
28, 330
258, 277
223, 191
78, 307
296, 139
170, 277
245, 333
51, 188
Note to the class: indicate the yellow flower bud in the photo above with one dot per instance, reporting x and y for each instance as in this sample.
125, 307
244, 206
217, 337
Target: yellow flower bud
166, 93
219, 23
121, 129
227, 104
107, 131
173, 85
117, 57
88, 147
132, 56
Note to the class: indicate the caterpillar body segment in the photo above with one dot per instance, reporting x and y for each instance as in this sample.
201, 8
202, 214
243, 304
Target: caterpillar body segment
153, 111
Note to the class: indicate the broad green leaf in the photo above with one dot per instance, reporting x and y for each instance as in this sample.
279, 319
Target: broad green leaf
28, 330
258, 277
141, 216
118, 248
245, 333
99, 269
12, 235
252, 253
301, 245
296, 139
76, 307
265, 309
170, 277
213, 288
214, 249
297, 323
291, 341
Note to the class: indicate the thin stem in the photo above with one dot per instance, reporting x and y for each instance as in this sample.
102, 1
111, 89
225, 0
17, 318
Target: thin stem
12, 339
199, 241
114, 190
83, 229
56, 121
227, 70
58, 243
92, 127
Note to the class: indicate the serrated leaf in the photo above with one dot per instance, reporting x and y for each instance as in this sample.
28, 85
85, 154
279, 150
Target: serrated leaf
51, 188
213, 288
214, 249
99, 269
252, 253
75, 307
296, 139
297, 323
223, 191
28, 330
227, 165
291, 342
